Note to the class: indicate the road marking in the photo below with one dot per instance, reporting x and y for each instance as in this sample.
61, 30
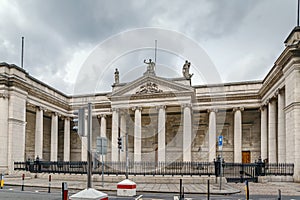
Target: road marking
139, 197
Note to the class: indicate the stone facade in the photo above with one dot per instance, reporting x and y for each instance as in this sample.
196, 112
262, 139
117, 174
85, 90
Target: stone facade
165, 119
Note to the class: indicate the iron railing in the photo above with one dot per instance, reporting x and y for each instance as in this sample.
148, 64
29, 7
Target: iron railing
119, 168
234, 172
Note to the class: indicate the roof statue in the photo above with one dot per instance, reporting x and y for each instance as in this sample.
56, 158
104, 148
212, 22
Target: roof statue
117, 76
186, 70
150, 67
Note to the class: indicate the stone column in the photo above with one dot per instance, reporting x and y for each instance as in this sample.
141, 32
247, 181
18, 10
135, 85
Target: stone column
67, 145
187, 133
237, 135
264, 132
54, 137
272, 132
102, 118
212, 131
137, 134
281, 127
39, 133
161, 131
114, 134
4, 131
123, 135
103, 125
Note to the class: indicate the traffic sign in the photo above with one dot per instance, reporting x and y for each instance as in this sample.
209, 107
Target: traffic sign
102, 145
220, 142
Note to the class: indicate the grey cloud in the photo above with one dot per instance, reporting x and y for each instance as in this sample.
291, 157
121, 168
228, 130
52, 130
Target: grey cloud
54, 29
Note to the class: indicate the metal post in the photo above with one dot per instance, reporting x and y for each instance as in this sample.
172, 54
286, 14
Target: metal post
2, 181
126, 148
208, 192
64, 191
180, 187
102, 167
221, 170
23, 177
49, 186
247, 190
22, 53
279, 194
89, 154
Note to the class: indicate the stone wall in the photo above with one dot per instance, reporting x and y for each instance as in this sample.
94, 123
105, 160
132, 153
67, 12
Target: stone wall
30, 135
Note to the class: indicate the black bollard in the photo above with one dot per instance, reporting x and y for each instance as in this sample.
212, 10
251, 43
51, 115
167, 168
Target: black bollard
23, 178
180, 187
49, 186
208, 192
279, 194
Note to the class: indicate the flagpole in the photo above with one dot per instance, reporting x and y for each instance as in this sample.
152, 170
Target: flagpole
155, 50
298, 13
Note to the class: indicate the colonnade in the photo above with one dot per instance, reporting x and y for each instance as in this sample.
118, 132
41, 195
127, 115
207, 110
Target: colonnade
38, 151
273, 137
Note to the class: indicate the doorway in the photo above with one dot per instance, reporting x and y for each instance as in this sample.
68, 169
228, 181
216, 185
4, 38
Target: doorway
246, 157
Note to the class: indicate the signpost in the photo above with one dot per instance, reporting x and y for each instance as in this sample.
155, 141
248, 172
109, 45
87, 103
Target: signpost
220, 145
102, 150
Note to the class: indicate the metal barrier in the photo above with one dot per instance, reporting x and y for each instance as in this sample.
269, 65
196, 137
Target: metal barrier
234, 172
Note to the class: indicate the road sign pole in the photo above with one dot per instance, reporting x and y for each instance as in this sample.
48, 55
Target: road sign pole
102, 170
89, 154
220, 144
126, 148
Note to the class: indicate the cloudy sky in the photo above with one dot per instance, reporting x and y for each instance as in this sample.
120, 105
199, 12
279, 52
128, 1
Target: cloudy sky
242, 38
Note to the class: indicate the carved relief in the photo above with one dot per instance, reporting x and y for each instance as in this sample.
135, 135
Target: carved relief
149, 88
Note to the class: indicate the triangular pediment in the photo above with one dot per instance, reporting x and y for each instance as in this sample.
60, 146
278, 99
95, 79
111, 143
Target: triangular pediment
151, 85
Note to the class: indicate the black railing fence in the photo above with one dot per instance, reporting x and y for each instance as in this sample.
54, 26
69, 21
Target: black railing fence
119, 168
232, 171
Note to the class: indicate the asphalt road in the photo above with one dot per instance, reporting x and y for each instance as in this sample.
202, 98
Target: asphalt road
12, 193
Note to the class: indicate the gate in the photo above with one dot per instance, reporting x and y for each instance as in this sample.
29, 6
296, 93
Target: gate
239, 172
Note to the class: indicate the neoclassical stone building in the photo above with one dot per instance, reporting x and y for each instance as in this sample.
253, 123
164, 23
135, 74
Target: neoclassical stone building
166, 119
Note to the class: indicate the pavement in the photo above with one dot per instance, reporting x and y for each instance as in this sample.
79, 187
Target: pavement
191, 186
80, 183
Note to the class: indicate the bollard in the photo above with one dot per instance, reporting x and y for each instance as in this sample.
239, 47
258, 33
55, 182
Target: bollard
247, 190
23, 178
49, 186
208, 192
180, 187
64, 191
1, 181
279, 194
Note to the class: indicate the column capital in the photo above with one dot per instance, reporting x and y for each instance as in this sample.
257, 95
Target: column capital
212, 110
54, 113
238, 108
137, 108
66, 118
40, 108
184, 105
4, 95
115, 109
262, 107
101, 115
276, 93
161, 107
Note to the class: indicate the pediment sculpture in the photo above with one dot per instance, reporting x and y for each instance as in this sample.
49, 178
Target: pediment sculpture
149, 88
